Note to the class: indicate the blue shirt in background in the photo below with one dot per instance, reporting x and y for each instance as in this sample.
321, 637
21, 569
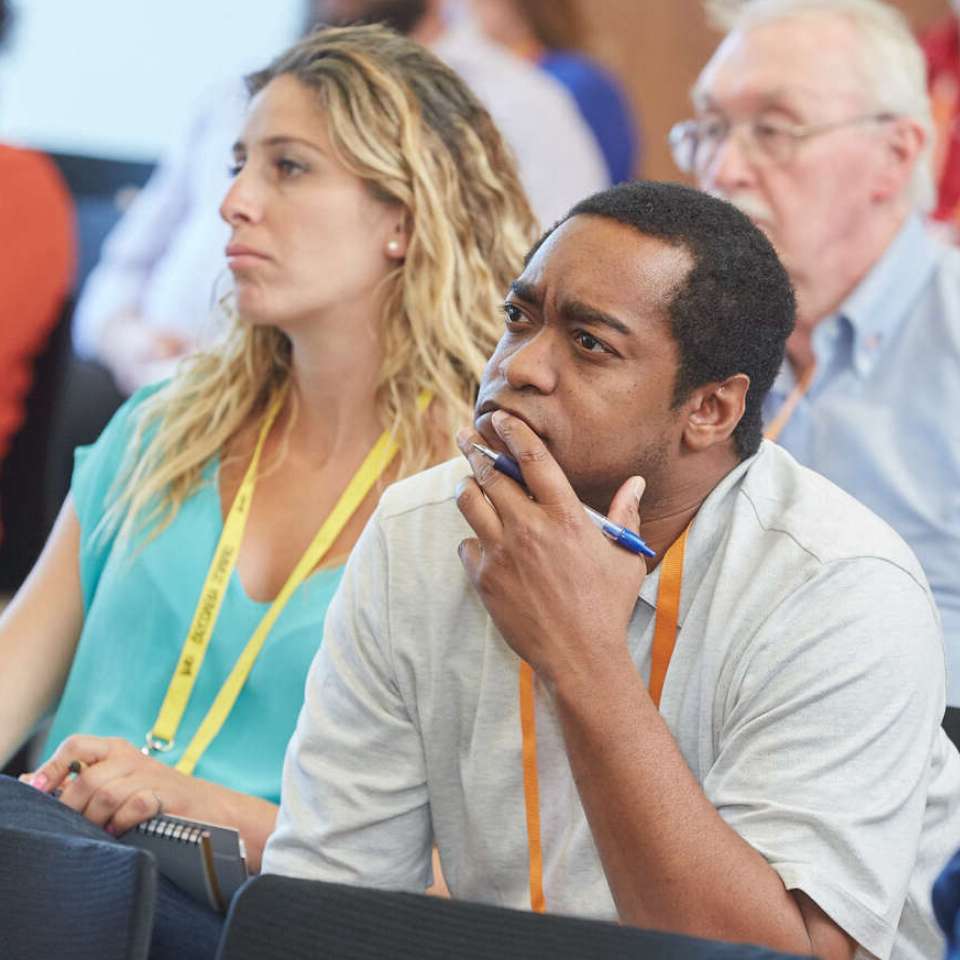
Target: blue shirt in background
603, 105
882, 416
946, 905
138, 604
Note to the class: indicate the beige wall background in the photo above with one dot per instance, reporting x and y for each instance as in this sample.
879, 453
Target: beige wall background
657, 48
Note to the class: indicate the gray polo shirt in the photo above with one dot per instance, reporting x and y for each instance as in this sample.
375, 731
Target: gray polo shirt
805, 692
877, 421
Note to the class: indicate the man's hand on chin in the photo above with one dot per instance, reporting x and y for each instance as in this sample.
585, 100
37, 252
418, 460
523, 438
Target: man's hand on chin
560, 593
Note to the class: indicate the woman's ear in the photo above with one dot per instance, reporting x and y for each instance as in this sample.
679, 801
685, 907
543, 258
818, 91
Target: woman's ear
713, 412
399, 239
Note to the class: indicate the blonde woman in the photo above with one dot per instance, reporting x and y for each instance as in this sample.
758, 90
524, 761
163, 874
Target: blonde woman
376, 221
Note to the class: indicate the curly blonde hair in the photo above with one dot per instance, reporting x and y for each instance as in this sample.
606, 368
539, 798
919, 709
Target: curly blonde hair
407, 125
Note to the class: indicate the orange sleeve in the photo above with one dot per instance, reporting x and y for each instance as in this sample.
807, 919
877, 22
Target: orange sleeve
37, 265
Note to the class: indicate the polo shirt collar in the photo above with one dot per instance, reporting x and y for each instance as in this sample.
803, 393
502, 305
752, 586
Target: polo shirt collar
707, 529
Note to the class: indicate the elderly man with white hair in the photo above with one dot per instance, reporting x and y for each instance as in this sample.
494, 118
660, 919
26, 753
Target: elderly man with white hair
813, 118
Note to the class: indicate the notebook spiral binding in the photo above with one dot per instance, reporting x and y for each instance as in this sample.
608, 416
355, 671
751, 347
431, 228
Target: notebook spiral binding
171, 829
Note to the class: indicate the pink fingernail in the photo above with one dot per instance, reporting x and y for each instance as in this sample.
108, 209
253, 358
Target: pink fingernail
111, 829
40, 782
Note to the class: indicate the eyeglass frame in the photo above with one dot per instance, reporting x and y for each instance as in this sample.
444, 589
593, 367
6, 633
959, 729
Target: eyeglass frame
684, 131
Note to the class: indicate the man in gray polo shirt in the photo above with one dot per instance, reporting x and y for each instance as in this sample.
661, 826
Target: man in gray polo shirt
779, 776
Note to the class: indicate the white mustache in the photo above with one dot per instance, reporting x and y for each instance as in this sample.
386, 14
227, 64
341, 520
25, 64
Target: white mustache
750, 205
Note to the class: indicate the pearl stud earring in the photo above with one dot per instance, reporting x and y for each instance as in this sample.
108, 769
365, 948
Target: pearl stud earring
393, 247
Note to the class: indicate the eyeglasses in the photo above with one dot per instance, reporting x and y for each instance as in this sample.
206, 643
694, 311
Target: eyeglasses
694, 143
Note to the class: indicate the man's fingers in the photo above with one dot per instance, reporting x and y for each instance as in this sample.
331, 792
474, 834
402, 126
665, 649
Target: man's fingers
471, 556
478, 511
545, 480
625, 506
500, 489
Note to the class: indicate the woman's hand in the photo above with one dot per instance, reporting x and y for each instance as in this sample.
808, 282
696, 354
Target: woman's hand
116, 787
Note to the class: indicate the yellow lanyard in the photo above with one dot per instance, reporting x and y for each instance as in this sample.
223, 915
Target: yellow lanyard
161, 737
664, 640
785, 412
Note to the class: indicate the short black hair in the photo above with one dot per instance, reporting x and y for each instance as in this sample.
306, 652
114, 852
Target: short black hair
735, 308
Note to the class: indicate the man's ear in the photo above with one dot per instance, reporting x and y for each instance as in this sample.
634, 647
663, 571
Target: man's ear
713, 412
903, 143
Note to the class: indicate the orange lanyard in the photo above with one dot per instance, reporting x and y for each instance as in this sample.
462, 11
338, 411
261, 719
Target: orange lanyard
785, 412
664, 640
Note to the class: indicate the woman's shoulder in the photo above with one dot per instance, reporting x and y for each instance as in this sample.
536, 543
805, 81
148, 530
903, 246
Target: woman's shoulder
123, 424
96, 466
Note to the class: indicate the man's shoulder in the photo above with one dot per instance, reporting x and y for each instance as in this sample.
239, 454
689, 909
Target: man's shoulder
432, 490
815, 518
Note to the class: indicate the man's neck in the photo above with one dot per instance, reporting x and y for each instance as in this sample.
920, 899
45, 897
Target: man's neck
675, 499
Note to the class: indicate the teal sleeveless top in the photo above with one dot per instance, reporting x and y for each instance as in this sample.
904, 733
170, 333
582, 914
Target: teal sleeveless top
138, 603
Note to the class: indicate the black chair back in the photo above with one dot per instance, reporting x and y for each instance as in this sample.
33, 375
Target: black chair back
951, 723
280, 917
26, 514
70, 897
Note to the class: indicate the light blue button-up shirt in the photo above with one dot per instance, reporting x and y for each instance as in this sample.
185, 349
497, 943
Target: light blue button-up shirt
882, 416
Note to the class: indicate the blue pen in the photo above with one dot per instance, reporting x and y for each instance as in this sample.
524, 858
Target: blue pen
619, 535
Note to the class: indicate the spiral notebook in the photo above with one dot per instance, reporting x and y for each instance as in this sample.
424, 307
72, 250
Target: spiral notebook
205, 859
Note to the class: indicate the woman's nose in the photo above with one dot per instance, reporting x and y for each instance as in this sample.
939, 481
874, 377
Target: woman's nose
240, 202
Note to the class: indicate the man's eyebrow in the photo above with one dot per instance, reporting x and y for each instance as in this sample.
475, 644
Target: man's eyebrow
576, 311
572, 311
526, 292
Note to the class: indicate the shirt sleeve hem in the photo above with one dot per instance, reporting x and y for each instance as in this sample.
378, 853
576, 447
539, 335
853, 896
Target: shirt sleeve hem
870, 931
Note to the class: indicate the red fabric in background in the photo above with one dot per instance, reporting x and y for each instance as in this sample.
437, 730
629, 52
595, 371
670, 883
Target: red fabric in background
941, 46
37, 264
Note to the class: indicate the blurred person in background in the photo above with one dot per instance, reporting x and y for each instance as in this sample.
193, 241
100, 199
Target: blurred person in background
151, 298
36, 267
549, 33
946, 905
813, 118
941, 47
375, 219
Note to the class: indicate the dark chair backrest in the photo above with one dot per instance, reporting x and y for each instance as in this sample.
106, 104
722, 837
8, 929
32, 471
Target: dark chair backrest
70, 897
281, 917
98, 186
951, 723
24, 508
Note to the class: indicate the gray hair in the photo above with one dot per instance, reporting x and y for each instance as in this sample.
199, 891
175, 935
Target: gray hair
891, 64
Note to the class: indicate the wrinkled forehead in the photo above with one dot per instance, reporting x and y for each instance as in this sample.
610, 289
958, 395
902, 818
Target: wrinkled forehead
607, 264
808, 63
